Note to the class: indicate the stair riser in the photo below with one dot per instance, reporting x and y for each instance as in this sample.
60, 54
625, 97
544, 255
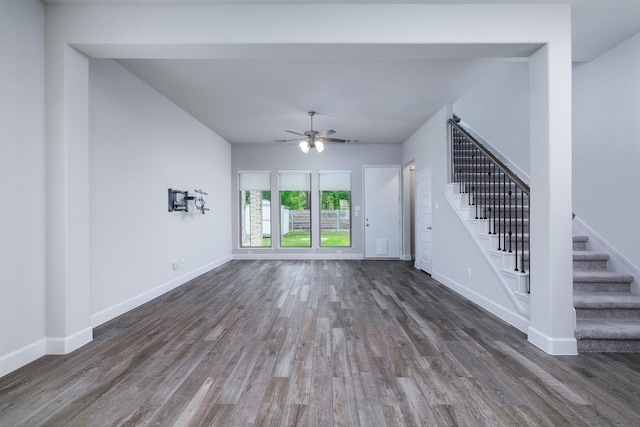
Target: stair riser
489, 228
513, 249
589, 265
501, 210
489, 200
514, 229
481, 175
481, 183
501, 228
608, 346
607, 313
497, 216
468, 162
522, 240
579, 246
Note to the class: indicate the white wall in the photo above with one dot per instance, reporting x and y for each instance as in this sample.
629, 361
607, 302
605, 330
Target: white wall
606, 146
22, 151
497, 108
453, 249
276, 157
141, 144
206, 31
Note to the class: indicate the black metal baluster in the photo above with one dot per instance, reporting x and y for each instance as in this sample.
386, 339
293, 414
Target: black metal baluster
510, 215
524, 246
465, 162
457, 166
454, 155
485, 192
474, 177
496, 197
476, 189
492, 217
503, 223
517, 231
460, 176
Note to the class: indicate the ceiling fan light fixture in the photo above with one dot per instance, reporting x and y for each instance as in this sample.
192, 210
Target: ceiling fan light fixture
304, 146
312, 138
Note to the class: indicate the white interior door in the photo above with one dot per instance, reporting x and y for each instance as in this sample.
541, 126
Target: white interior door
382, 212
423, 204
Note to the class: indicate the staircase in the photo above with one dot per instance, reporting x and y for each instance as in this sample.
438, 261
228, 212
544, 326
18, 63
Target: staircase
607, 313
493, 204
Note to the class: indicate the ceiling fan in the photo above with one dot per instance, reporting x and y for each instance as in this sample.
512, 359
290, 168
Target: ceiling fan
312, 138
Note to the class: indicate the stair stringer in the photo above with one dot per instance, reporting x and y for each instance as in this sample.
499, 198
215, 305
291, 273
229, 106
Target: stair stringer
514, 283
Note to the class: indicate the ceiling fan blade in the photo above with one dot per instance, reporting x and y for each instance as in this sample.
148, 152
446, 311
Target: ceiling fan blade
289, 140
325, 133
332, 140
295, 133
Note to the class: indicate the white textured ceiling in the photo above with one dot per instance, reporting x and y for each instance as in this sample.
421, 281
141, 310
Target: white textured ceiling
255, 101
378, 96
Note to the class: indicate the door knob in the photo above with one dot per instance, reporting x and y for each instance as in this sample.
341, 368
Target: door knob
428, 227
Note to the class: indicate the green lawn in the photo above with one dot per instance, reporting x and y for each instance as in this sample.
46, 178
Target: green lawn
328, 239
335, 238
303, 239
296, 239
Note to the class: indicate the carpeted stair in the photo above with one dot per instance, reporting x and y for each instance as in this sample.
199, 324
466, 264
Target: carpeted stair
607, 313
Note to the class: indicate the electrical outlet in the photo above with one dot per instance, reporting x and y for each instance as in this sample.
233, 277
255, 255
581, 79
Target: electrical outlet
175, 265
469, 273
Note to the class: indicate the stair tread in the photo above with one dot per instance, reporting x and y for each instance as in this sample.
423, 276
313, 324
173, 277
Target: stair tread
589, 256
608, 329
606, 300
601, 276
580, 238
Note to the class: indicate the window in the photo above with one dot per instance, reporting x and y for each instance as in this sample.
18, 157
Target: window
335, 209
295, 209
255, 209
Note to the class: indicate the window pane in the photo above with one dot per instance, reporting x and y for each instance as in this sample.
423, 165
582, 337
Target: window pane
295, 216
335, 218
255, 208
255, 218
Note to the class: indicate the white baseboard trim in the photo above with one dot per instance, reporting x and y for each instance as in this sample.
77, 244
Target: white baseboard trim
64, 345
555, 346
514, 319
131, 303
289, 256
22, 356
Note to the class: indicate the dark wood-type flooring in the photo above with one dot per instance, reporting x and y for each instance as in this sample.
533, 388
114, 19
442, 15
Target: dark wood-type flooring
332, 343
